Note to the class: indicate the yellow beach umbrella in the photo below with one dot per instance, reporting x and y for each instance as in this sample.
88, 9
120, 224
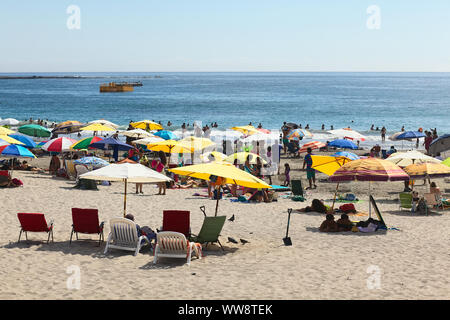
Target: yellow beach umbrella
10, 140
427, 170
247, 130
242, 157
195, 143
146, 125
227, 173
217, 156
97, 127
169, 146
5, 131
68, 123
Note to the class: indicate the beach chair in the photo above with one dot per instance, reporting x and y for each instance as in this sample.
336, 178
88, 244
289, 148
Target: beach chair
432, 200
34, 222
177, 221
5, 178
292, 149
297, 188
175, 245
71, 172
210, 231
86, 221
124, 236
405, 200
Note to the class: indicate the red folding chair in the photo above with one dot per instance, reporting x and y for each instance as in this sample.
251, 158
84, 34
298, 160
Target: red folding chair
34, 222
177, 221
86, 221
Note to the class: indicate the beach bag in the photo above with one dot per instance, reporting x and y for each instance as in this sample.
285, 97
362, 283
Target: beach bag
348, 208
17, 182
350, 197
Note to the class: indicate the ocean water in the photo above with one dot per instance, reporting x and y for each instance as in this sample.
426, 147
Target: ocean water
357, 100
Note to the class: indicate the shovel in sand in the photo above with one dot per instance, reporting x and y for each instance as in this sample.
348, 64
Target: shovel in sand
202, 208
287, 240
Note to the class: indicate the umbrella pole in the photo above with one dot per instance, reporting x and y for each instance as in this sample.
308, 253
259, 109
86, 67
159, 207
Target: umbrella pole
370, 204
125, 200
217, 202
335, 193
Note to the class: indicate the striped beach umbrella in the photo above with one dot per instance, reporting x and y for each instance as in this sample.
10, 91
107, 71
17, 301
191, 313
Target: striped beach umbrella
84, 143
295, 135
313, 145
3, 143
427, 170
59, 144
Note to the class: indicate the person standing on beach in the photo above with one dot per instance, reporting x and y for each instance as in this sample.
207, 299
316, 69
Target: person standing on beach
310, 172
285, 129
428, 140
383, 134
160, 168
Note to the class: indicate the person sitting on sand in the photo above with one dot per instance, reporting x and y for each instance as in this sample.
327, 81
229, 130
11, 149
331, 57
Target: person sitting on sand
344, 223
316, 206
55, 164
329, 225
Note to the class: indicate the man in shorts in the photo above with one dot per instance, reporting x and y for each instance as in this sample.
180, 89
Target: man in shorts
285, 130
310, 172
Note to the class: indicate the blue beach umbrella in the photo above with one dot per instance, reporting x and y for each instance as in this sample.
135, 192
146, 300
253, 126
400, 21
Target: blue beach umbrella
166, 135
94, 161
410, 135
111, 144
343, 143
16, 151
27, 141
348, 155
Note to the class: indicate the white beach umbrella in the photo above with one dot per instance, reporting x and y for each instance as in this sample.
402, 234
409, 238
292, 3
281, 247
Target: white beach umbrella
148, 140
403, 159
136, 133
105, 123
348, 133
126, 172
9, 122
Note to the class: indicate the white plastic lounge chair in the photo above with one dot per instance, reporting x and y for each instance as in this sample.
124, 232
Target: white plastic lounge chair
175, 245
124, 236
80, 169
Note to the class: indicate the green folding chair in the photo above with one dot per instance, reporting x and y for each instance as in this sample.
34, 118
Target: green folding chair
297, 188
210, 231
405, 200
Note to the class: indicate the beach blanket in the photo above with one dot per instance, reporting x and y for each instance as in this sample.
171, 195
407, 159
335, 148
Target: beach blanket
348, 201
277, 188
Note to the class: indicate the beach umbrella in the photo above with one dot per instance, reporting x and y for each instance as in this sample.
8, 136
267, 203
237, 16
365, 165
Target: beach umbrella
148, 140
370, 169
9, 122
403, 159
16, 151
196, 143
292, 125
146, 125
227, 173
395, 135
35, 130
306, 133
104, 122
5, 131
226, 135
313, 145
92, 161
11, 140
3, 143
343, 144
258, 137
263, 130
136, 133
169, 146
427, 170
68, 123
242, 157
96, 127
40, 144
349, 155
295, 134
59, 144
126, 172
27, 141
166, 135
69, 126
247, 130
85, 143
446, 162
348, 133
407, 135
440, 144
213, 156
111, 144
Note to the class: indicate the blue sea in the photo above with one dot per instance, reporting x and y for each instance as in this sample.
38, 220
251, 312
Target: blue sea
357, 100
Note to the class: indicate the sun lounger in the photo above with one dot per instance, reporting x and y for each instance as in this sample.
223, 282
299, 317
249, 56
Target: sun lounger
432, 200
86, 221
175, 245
177, 221
124, 236
210, 231
405, 200
34, 222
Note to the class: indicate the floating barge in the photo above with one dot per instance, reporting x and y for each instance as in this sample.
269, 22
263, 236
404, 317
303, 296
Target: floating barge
116, 87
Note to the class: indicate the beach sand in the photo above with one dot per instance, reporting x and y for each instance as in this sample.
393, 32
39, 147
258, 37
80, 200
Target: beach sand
411, 263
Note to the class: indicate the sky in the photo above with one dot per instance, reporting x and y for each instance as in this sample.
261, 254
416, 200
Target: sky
225, 35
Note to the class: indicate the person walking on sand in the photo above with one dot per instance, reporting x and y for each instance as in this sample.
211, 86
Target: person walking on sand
310, 172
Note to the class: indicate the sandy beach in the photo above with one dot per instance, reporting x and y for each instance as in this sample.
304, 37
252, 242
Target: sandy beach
410, 263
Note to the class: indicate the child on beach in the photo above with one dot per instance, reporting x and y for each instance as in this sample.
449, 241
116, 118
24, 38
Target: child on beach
287, 176
329, 225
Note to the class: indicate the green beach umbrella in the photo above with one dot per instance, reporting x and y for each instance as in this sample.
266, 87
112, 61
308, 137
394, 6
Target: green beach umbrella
446, 162
35, 130
84, 143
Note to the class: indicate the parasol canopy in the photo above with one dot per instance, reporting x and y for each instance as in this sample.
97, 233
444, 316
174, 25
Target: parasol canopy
85, 143
343, 144
427, 170
313, 145
136, 133
27, 141
59, 144
247, 130
34, 130
146, 125
403, 159
5, 131
13, 150
242, 157
11, 140
348, 133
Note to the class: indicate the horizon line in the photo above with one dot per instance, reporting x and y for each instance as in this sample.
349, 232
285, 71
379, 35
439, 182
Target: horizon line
6, 72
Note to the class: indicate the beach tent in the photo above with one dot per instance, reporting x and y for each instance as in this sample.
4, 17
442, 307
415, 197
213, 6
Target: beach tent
440, 144
227, 173
126, 172
111, 144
